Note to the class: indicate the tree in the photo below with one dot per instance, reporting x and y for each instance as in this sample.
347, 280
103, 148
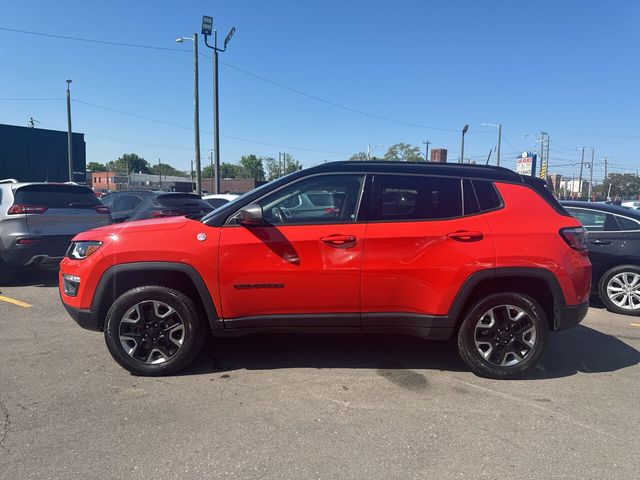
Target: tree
133, 162
252, 167
278, 168
359, 157
96, 167
623, 185
403, 152
166, 169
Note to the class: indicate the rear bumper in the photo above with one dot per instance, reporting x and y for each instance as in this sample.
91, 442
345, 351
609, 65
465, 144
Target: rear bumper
49, 249
568, 316
86, 318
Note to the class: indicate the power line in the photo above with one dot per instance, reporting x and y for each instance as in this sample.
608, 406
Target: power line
233, 137
246, 72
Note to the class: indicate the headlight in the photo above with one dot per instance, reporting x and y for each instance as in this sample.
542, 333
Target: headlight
82, 250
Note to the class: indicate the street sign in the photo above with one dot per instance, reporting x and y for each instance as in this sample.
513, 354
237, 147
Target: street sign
526, 164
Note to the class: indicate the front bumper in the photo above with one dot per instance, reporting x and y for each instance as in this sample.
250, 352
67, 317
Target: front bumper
568, 316
86, 318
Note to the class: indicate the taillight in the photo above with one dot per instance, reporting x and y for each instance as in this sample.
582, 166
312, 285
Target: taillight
576, 238
101, 209
164, 213
28, 241
18, 209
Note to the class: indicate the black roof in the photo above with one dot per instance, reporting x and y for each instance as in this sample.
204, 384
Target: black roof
432, 168
603, 207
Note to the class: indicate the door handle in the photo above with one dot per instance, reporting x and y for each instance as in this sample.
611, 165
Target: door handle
339, 241
466, 236
601, 242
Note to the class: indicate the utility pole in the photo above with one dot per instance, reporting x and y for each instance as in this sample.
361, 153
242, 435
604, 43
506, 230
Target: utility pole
593, 156
126, 162
426, 150
207, 27
69, 135
580, 176
606, 167
499, 142
160, 172
191, 174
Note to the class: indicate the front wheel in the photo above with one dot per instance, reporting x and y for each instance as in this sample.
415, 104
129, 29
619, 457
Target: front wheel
503, 336
153, 330
619, 289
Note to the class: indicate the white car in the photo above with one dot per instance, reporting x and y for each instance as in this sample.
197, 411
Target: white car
631, 204
219, 199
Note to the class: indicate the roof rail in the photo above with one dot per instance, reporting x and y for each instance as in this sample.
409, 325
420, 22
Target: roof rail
8, 180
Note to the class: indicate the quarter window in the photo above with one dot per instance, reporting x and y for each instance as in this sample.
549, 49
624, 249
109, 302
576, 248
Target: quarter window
325, 199
487, 196
398, 197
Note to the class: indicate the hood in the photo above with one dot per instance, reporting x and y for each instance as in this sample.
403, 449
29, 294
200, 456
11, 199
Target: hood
151, 225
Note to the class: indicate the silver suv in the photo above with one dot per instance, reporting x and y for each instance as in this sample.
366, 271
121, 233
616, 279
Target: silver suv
38, 220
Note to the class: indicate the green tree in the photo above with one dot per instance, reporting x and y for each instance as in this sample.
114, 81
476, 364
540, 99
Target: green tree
227, 170
166, 169
278, 168
252, 167
131, 161
403, 152
96, 167
623, 185
359, 157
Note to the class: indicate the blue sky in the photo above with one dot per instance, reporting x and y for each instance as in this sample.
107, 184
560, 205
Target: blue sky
569, 68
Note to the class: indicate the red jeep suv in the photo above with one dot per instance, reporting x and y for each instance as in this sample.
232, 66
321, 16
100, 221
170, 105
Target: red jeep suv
428, 249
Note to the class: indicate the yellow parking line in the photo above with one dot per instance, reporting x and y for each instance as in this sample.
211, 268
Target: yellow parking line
635, 325
15, 302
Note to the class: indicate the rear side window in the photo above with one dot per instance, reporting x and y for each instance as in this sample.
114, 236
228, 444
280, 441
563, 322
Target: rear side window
56, 196
126, 202
399, 197
595, 221
627, 223
181, 200
486, 194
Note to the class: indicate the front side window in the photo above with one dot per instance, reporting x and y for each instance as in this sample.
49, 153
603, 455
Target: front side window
405, 197
322, 199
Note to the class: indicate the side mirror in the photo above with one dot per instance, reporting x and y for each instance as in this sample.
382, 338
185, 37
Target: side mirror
251, 215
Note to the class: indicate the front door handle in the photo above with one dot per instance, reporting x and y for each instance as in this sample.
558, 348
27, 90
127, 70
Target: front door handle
339, 241
466, 236
601, 242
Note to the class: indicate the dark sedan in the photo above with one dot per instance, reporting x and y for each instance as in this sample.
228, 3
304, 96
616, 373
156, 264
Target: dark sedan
140, 205
614, 251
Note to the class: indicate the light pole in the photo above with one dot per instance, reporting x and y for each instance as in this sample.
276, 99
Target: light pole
207, 27
69, 139
464, 130
369, 150
196, 109
499, 127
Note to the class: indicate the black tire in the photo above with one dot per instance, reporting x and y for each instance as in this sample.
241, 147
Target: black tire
157, 345
507, 347
627, 303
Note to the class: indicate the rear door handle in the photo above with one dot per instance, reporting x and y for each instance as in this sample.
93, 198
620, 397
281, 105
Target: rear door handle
339, 241
466, 236
601, 242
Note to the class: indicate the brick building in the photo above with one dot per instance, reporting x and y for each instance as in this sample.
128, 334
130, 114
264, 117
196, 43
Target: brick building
439, 155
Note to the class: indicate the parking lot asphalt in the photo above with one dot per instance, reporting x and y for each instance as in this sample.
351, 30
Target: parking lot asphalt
323, 406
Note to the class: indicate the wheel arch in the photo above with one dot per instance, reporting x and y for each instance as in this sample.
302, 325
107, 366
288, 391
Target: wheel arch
539, 283
117, 279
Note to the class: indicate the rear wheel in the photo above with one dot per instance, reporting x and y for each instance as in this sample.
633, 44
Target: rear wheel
619, 289
153, 330
503, 336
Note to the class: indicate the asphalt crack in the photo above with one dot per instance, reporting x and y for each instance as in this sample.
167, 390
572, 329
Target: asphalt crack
4, 428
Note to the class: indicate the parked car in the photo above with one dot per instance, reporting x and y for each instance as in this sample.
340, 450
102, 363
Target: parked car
38, 220
140, 205
634, 204
614, 250
429, 249
216, 200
